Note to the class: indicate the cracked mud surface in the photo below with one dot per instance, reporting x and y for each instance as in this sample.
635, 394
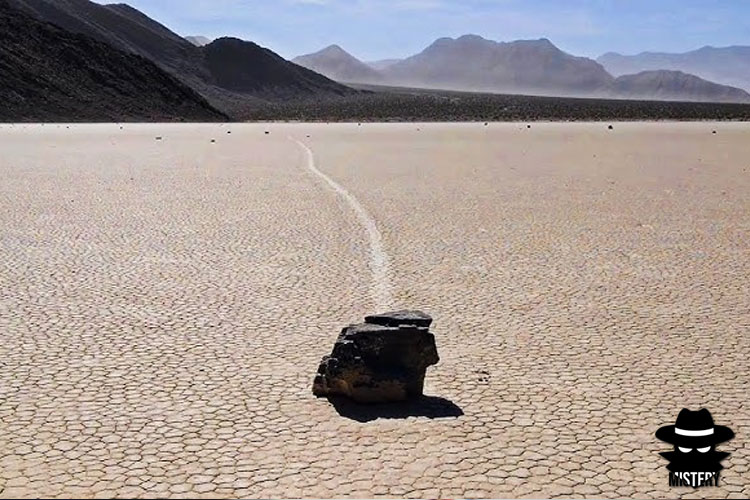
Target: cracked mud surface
164, 306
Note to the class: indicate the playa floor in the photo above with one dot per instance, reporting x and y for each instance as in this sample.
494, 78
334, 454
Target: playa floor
164, 305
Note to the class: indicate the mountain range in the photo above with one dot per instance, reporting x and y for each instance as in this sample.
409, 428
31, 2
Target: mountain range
257, 74
537, 67
724, 65
100, 58
473, 63
665, 85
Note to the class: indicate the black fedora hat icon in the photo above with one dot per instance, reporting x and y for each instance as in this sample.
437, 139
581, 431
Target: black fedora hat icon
694, 429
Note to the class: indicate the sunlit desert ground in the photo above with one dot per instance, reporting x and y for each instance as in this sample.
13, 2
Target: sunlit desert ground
164, 305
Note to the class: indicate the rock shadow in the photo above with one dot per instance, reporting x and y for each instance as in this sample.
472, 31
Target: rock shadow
431, 407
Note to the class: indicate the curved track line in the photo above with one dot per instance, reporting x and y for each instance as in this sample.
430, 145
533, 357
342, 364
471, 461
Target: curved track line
379, 265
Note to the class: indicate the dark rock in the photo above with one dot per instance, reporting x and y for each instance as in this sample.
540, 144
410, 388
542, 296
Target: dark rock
213, 141
267, 132
610, 127
528, 126
158, 138
382, 360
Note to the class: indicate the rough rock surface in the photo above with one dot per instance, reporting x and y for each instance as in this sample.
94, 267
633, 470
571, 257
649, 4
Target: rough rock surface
381, 360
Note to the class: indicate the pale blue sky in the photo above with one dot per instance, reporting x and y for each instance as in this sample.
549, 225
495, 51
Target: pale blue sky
375, 29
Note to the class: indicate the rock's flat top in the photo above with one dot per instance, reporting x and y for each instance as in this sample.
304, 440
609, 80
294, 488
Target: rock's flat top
397, 318
164, 304
367, 328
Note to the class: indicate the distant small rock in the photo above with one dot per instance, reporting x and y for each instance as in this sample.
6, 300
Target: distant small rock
713, 132
610, 127
267, 132
528, 126
213, 140
158, 137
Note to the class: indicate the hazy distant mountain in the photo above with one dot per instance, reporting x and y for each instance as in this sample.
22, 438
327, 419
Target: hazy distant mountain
538, 67
198, 41
382, 64
725, 65
525, 66
674, 86
128, 29
337, 64
50, 74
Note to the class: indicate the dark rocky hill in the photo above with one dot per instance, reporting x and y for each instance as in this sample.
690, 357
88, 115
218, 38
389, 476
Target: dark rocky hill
246, 67
130, 30
50, 74
124, 28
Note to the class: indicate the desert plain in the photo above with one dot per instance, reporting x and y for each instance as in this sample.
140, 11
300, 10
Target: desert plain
164, 305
